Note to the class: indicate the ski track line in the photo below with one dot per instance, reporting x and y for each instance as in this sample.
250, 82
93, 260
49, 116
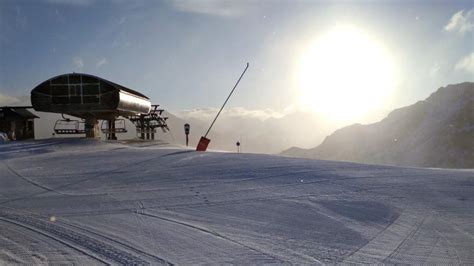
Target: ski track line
24, 197
27, 147
185, 205
294, 252
451, 244
366, 251
231, 182
54, 238
20, 253
407, 237
189, 204
161, 260
63, 234
370, 240
178, 206
108, 172
242, 201
215, 234
55, 190
31, 181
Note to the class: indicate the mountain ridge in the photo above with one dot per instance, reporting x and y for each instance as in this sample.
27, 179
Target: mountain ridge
435, 132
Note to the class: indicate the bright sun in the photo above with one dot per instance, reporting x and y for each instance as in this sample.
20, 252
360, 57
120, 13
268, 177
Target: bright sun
345, 75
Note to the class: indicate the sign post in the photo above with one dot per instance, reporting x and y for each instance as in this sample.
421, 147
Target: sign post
204, 141
187, 127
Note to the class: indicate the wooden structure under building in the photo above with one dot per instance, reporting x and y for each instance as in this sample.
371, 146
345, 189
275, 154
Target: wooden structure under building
17, 122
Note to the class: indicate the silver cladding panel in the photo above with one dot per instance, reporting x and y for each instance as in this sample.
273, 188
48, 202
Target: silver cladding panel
88, 96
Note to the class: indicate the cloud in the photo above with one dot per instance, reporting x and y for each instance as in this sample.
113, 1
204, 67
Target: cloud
71, 2
8, 100
466, 64
209, 113
210, 7
77, 62
101, 62
461, 22
434, 69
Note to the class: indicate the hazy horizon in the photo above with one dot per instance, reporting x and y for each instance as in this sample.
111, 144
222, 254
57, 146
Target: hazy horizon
258, 132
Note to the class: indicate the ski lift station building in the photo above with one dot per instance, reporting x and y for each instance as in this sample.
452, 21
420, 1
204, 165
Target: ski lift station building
88, 97
17, 122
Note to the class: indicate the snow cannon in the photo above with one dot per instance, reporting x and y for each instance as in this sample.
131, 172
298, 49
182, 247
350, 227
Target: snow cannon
204, 141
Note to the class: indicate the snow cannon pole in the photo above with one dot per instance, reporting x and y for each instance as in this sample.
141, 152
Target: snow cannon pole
204, 141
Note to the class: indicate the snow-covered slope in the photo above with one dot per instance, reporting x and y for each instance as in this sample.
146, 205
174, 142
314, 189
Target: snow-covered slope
436, 132
90, 202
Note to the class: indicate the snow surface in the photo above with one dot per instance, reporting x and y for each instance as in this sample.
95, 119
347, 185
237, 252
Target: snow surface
90, 202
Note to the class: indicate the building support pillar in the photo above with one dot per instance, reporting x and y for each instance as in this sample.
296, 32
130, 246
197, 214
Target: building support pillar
92, 128
111, 125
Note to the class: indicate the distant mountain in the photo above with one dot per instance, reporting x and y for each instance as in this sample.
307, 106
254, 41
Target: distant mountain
436, 132
256, 135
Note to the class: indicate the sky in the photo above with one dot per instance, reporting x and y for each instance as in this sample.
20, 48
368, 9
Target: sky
186, 55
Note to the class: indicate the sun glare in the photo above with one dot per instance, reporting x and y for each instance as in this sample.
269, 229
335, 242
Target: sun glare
345, 74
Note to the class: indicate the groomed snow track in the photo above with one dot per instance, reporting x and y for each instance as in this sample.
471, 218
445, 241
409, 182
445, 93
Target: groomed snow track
89, 202
99, 250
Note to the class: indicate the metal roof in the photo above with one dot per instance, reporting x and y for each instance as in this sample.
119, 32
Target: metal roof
104, 80
20, 111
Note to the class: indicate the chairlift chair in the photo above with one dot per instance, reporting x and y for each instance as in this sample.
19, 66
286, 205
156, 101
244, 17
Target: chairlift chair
112, 127
67, 126
119, 126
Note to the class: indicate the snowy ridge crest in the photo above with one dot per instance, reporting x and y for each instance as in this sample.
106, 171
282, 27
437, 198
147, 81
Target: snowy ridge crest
436, 132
